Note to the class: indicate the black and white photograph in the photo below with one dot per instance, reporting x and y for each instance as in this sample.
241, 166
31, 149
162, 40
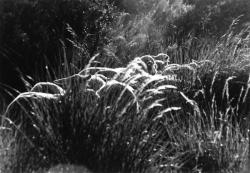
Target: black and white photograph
124, 86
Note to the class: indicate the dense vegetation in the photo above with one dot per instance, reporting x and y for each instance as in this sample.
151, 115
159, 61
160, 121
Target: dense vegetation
141, 86
36, 36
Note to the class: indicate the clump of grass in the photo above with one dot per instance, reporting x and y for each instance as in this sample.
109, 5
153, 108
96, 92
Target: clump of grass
150, 122
140, 119
177, 136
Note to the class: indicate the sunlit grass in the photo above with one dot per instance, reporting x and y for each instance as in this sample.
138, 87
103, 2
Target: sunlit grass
137, 113
136, 122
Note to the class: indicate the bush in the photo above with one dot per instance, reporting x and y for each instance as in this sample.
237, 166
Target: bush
211, 18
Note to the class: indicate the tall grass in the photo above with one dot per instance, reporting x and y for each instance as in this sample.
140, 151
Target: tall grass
142, 122
125, 113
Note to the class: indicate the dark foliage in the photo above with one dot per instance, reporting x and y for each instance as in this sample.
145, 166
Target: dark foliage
40, 33
209, 18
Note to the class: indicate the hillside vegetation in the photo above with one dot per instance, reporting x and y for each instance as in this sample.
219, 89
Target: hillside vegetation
125, 86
